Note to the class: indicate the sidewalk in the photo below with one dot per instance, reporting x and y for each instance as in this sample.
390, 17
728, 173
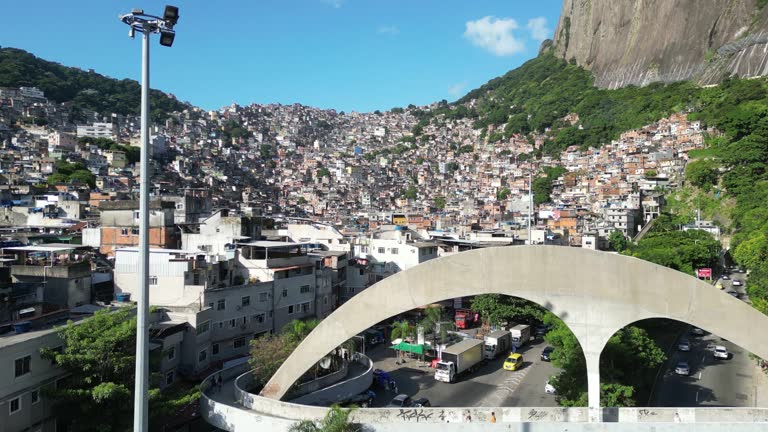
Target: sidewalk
761, 381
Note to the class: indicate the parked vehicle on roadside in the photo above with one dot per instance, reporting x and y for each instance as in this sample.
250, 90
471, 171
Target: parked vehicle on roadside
549, 388
684, 345
364, 399
521, 335
682, 368
401, 401
497, 342
458, 359
721, 352
422, 403
546, 353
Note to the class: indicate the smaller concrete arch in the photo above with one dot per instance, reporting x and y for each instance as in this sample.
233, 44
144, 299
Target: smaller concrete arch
594, 293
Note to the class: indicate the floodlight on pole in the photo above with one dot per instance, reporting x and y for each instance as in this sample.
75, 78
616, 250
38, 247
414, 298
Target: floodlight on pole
146, 25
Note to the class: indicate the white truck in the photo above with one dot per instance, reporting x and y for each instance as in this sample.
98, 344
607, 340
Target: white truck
521, 334
459, 358
497, 342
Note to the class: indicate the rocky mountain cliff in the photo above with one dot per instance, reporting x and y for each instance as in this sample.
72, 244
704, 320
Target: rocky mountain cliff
636, 42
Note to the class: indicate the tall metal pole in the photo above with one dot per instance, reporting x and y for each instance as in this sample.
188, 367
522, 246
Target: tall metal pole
530, 206
141, 404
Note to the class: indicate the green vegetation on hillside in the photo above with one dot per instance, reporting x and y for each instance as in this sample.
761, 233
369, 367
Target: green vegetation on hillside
542, 91
86, 90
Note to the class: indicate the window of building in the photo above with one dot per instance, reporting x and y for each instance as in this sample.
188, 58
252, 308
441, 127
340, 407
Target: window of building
245, 320
325, 300
285, 292
169, 378
203, 327
123, 231
134, 231
196, 279
394, 251
15, 405
221, 324
351, 290
262, 297
381, 250
239, 343
23, 366
35, 396
153, 280
362, 271
232, 323
305, 307
245, 301
57, 350
259, 318
290, 309
215, 348
305, 289
221, 305
202, 355
136, 214
171, 353
210, 305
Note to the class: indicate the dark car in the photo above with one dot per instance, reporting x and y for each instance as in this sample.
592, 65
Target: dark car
422, 403
546, 353
401, 401
364, 399
541, 330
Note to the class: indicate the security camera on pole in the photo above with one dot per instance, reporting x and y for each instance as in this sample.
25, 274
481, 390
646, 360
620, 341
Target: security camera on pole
146, 25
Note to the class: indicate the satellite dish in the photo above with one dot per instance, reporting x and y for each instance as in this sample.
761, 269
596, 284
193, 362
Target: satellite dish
325, 363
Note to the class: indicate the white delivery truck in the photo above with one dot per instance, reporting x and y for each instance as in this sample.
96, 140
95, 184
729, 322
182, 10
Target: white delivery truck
521, 335
497, 342
459, 358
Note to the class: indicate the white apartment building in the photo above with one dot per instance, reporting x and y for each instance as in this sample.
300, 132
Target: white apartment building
97, 130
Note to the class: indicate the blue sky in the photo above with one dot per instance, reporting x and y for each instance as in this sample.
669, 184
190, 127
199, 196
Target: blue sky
349, 55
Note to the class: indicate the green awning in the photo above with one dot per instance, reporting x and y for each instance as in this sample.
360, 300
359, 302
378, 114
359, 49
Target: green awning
411, 348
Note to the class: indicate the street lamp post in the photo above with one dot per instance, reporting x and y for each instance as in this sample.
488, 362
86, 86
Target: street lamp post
145, 24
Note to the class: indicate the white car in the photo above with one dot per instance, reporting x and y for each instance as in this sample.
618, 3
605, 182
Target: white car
720, 352
736, 282
682, 368
684, 345
549, 388
725, 277
697, 331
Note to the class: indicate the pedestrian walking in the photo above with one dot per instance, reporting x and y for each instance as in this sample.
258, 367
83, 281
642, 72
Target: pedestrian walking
467, 417
219, 382
493, 417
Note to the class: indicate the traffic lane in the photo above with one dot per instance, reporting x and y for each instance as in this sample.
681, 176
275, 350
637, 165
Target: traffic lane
418, 381
530, 391
712, 382
484, 387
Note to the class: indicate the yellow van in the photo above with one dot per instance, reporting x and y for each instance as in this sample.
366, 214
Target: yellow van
513, 362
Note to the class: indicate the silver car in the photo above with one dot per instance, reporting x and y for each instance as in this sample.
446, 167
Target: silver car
684, 345
682, 368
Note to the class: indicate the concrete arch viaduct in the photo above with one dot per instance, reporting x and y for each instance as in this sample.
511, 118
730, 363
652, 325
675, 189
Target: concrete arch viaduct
594, 293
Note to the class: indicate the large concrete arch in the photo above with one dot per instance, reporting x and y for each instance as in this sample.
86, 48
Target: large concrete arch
594, 293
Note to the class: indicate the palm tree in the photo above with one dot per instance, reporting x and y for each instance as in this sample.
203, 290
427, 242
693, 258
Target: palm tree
296, 330
401, 329
336, 420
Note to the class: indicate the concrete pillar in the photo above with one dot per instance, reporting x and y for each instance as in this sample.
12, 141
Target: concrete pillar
593, 387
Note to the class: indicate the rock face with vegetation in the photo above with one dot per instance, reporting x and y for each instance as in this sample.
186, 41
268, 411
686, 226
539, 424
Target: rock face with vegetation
638, 42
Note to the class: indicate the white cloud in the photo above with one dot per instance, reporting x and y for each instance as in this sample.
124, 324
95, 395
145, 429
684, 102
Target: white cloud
334, 3
388, 30
538, 28
495, 35
457, 89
